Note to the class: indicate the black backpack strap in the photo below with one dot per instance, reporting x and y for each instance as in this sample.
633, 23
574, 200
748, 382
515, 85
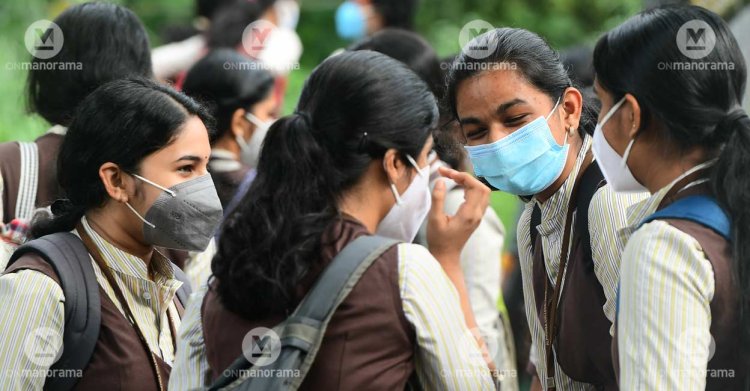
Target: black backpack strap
68, 256
591, 181
536, 219
183, 294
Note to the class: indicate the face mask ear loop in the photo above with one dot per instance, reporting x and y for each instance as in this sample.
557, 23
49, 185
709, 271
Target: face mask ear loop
393, 188
139, 216
627, 153
170, 192
414, 163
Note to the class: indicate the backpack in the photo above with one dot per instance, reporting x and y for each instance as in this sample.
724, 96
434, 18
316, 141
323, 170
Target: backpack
68, 256
701, 209
15, 232
301, 334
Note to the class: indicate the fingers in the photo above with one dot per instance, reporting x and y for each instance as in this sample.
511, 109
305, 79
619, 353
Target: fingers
437, 211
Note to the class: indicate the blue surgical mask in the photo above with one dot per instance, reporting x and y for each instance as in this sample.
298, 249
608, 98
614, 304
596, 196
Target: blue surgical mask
523, 163
351, 23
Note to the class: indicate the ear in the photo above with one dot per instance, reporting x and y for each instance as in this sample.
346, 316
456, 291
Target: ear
394, 167
632, 111
572, 103
240, 125
113, 179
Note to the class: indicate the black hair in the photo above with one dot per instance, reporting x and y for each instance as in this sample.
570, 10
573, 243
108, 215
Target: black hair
528, 54
107, 40
225, 81
208, 8
353, 108
409, 48
121, 122
397, 13
229, 24
695, 107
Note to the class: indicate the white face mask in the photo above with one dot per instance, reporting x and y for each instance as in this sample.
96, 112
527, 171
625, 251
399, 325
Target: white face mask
403, 220
287, 13
250, 150
614, 167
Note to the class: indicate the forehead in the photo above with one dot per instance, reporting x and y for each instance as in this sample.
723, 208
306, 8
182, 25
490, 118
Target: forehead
190, 139
489, 89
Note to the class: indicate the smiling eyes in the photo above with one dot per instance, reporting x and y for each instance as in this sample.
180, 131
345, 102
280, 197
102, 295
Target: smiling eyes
510, 123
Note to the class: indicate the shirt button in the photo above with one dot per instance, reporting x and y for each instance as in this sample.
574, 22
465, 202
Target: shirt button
146, 295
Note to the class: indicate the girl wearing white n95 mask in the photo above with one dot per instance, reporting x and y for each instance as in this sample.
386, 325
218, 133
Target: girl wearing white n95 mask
350, 162
683, 320
526, 130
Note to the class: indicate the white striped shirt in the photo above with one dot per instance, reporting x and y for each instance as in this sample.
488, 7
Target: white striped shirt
663, 327
31, 301
447, 356
606, 217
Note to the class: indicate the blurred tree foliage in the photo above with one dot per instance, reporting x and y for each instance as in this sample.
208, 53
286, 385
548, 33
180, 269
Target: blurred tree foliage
562, 22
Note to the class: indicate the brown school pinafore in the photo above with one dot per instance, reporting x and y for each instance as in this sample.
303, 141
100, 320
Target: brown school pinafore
119, 360
582, 345
10, 169
725, 305
369, 344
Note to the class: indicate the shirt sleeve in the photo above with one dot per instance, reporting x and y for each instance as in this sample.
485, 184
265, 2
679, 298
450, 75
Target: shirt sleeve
607, 216
665, 316
480, 262
448, 357
191, 370
33, 322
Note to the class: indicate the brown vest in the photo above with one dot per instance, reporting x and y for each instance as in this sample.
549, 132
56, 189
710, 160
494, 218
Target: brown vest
48, 189
119, 360
725, 305
226, 182
582, 345
368, 345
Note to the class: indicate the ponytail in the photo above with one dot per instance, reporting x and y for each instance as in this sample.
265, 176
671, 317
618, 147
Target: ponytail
290, 201
731, 185
353, 108
65, 216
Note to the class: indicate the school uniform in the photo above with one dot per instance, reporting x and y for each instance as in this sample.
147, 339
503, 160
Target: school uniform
34, 300
678, 318
582, 359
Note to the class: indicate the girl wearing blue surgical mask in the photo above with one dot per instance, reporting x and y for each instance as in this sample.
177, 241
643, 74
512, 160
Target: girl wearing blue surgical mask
356, 19
351, 161
671, 122
526, 130
239, 94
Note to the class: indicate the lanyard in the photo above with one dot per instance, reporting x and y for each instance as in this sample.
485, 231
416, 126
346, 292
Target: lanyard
94, 251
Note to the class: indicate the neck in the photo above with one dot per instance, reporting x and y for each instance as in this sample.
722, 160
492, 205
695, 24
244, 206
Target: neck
655, 174
575, 148
228, 143
116, 235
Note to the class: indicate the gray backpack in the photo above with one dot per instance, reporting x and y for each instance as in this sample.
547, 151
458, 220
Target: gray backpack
301, 334
69, 257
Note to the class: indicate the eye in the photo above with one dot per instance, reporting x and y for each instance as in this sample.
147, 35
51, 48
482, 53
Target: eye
514, 121
476, 134
186, 169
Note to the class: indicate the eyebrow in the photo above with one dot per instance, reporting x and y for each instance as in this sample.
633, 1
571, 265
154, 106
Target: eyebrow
190, 158
500, 109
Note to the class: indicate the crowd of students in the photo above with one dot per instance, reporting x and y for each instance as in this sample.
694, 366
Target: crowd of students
170, 210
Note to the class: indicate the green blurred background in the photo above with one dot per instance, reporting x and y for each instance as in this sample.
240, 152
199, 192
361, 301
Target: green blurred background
563, 23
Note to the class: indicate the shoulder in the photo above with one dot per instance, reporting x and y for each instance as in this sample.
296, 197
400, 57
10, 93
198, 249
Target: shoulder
607, 200
658, 242
32, 278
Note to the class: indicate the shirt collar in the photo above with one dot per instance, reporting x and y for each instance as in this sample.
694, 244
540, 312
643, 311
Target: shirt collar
58, 130
639, 211
125, 263
553, 210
